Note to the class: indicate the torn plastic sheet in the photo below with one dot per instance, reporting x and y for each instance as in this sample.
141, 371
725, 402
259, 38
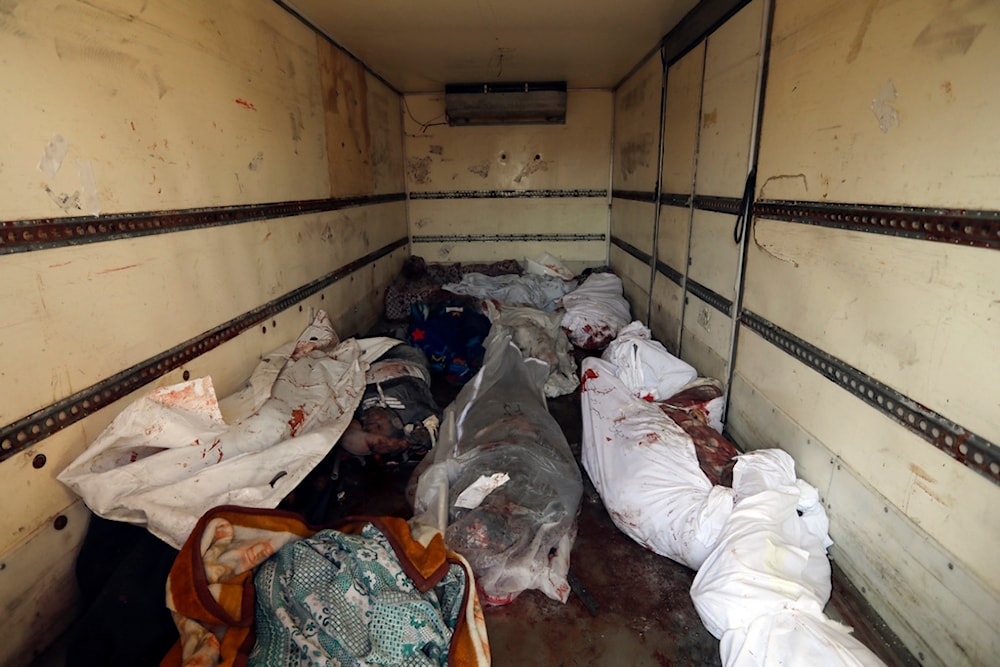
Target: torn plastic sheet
538, 335
170, 456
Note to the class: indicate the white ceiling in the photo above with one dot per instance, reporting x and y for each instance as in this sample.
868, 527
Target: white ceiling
420, 45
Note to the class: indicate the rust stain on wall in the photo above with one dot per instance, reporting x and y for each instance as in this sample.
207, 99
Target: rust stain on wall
349, 137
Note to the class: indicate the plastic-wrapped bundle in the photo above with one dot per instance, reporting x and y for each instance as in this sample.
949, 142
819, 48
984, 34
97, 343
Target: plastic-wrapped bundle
595, 311
504, 486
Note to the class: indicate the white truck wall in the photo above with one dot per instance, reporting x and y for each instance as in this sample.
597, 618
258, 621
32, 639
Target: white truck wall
866, 312
484, 193
256, 174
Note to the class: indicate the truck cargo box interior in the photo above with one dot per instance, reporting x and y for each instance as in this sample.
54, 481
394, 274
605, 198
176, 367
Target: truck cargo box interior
658, 332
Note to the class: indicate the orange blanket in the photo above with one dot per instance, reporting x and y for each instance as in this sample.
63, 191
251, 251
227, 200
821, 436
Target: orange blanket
210, 589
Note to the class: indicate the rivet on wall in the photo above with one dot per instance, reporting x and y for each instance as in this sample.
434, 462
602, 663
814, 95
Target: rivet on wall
60, 522
38, 461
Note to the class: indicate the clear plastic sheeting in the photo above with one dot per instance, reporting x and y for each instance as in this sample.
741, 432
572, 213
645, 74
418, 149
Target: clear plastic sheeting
538, 335
645, 468
520, 534
170, 456
595, 311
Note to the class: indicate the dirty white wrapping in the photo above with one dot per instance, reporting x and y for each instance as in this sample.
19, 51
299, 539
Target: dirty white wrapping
595, 311
538, 335
170, 456
527, 290
760, 547
547, 265
520, 534
645, 366
645, 468
763, 588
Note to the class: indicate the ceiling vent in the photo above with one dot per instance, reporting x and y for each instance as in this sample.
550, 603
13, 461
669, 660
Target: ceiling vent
505, 103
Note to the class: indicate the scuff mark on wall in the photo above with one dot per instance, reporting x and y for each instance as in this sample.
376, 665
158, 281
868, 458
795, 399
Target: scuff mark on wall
295, 118
435, 149
705, 318
482, 169
767, 250
778, 177
419, 169
709, 119
256, 161
947, 36
88, 181
859, 36
635, 97
246, 105
63, 200
882, 107
530, 167
635, 153
54, 155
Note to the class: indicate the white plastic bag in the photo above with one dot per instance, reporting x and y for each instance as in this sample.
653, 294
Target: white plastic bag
645, 468
170, 456
645, 366
547, 265
595, 311
763, 588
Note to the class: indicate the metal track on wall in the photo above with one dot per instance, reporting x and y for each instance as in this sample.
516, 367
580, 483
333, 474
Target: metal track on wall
508, 238
510, 194
643, 257
712, 298
958, 442
635, 195
729, 205
670, 272
959, 226
43, 423
45, 233
675, 199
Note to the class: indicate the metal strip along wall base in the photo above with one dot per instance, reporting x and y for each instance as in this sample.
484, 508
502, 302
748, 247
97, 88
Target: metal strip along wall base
41, 424
961, 444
